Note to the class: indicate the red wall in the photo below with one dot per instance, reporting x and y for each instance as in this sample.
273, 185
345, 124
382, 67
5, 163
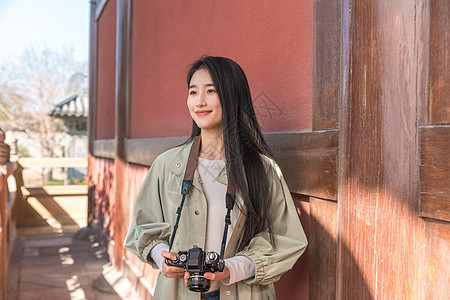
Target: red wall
103, 177
272, 42
135, 175
106, 72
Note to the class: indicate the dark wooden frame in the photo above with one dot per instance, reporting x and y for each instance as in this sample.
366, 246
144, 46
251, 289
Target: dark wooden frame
307, 159
123, 41
93, 54
434, 132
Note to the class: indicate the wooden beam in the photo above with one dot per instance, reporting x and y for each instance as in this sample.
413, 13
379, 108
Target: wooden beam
307, 159
435, 172
56, 190
439, 75
18, 197
104, 148
122, 77
326, 62
6, 224
302, 140
144, 151
51, 162
92, 117
3, 235
121, 109
380, 236
310, 172
93, 51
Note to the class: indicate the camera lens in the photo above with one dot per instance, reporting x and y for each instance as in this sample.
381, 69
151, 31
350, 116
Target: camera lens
198, 283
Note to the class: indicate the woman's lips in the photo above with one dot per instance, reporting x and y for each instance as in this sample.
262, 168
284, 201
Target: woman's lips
202, 113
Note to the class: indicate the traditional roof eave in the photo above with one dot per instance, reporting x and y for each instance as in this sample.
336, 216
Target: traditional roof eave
73, 105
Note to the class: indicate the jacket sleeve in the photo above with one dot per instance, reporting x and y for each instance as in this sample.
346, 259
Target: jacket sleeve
148, 228
290, 241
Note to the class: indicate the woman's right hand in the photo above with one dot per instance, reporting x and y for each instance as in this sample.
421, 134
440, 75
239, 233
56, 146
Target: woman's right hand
169, 271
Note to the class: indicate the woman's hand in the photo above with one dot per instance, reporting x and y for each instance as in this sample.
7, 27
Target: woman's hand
214, 277
169, 271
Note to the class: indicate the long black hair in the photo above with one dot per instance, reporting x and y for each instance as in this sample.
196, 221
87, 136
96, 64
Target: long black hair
243, 142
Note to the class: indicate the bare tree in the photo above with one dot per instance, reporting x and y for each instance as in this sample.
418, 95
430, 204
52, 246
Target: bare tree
30, 85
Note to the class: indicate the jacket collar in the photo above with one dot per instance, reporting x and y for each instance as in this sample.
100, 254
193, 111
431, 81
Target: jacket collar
178, 165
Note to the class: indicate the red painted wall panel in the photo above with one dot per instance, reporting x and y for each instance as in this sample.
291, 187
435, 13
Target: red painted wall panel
103, 176
106, 72
136, 175
272, 42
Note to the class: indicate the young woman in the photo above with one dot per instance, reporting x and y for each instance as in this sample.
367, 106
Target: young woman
265, 237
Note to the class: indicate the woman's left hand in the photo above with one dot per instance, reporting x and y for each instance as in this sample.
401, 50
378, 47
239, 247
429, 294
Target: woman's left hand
216, 276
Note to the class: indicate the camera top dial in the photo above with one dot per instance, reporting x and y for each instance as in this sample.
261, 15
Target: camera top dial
211, 257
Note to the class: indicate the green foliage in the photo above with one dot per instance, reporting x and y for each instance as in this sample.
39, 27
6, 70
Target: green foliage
61, 182
23, 151
55, 182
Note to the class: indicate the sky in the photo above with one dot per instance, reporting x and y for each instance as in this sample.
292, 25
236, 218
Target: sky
44, 23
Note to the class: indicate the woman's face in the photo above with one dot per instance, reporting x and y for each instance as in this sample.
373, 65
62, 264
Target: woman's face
203, 102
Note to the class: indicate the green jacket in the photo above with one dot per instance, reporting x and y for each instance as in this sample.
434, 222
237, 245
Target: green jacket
155, 214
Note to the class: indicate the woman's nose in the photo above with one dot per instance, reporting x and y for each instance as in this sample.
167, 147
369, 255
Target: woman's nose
201, 100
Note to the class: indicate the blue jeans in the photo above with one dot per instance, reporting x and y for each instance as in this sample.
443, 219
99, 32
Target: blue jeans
211, 296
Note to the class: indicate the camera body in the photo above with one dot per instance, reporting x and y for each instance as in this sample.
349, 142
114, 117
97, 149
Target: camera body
197, 262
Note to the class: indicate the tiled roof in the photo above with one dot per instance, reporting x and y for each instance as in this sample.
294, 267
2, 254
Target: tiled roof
74, 105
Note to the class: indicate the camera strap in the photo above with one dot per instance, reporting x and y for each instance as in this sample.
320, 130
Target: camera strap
186, 187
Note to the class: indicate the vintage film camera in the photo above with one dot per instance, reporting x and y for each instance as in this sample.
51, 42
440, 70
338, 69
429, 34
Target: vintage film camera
197, 262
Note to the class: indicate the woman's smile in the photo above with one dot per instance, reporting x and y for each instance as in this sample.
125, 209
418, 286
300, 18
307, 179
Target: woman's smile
202, 112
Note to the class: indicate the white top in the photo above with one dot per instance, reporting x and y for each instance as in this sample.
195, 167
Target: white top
215, 193
240, 267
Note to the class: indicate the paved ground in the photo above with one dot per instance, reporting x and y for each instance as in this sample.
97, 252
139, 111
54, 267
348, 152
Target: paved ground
66, 265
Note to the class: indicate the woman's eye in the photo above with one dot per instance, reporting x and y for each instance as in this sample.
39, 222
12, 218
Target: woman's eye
192, 92
211, 91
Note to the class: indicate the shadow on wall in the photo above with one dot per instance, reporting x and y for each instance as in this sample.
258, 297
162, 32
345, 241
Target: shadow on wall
294, 284
104, 195
314, 276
